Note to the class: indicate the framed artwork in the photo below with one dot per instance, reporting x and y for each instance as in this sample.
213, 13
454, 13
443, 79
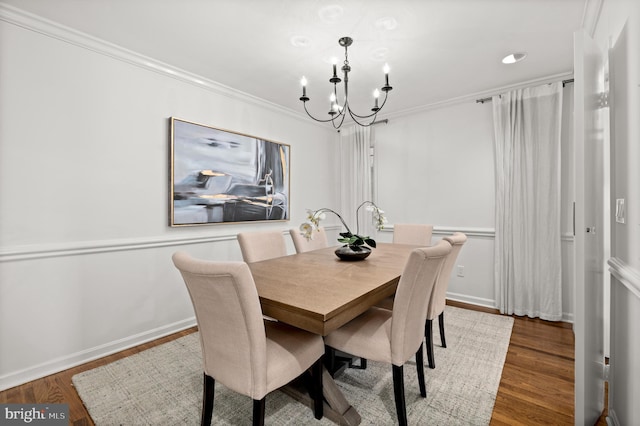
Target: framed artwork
220, 176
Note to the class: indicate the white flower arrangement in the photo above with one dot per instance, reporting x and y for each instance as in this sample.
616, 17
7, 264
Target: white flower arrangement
355, 241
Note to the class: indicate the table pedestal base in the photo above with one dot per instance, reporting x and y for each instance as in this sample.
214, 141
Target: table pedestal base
336, 407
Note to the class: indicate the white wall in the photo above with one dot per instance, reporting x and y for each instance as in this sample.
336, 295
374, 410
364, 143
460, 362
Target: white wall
85, 245
84, 184
618, 28
437, 166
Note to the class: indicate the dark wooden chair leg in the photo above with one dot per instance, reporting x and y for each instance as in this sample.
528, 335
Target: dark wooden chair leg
398, 392
258, 412
207, 400
428, 335
318, 400
420, 368
441, 323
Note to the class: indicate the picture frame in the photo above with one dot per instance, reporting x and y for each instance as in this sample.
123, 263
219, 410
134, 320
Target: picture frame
220, 176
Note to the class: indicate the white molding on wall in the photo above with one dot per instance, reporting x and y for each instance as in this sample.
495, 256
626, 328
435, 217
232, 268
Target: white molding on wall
473, 232
56, 365
625, 274
91, 247
43, 251
491, 303
478, 301
61, 32
469, 232
475, 96
591, 15
69, 35
447, 230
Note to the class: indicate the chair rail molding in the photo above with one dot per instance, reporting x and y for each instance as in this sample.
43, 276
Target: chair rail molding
91, 247
625, 274
447, 230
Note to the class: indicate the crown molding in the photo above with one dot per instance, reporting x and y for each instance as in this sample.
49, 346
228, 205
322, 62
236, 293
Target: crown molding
591, 15
69, 35
38, 24
478, 95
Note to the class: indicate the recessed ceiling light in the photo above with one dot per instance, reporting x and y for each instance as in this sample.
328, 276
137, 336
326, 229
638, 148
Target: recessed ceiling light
380, 54
387, 23
331, 13
300, 41
513, 58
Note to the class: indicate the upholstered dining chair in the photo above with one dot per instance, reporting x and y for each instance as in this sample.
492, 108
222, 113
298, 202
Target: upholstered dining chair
261, 245
438, 298
394, 336
246, 354
412, 233
301, 244
407, 233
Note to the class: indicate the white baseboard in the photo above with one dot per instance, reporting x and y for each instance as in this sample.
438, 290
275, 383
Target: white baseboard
478, 301
63, 363
490, 303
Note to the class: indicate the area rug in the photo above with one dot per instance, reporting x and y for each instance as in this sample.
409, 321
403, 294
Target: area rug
163, 385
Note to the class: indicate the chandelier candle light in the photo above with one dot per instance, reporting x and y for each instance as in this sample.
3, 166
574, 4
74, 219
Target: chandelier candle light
338, 112
356, 247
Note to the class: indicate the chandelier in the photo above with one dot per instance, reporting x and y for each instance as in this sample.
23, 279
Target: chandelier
337, 111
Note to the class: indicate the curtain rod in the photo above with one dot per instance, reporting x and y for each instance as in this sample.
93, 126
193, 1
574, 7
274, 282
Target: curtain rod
483, 100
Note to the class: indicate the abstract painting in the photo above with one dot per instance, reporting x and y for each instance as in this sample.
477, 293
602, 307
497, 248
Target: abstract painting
220, 176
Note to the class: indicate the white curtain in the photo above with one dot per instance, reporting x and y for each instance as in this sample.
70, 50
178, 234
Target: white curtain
528, 274
356, 181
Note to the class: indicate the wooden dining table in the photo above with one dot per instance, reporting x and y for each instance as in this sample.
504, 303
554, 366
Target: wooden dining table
318, 292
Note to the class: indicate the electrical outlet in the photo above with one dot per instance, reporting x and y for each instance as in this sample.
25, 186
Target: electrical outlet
460, 271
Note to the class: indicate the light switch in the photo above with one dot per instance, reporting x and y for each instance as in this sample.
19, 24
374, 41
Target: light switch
620, 210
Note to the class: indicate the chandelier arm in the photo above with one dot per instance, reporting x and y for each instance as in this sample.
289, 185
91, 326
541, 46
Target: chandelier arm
353, 117
372, 114
317, 119
341, 121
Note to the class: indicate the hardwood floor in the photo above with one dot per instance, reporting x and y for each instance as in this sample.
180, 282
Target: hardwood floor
536, 386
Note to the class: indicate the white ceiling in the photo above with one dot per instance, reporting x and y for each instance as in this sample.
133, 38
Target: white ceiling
438, 50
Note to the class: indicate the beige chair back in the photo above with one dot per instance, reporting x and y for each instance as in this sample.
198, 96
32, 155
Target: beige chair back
301, 244
257, 246
412, 233
412, 295
232, 333
439, 297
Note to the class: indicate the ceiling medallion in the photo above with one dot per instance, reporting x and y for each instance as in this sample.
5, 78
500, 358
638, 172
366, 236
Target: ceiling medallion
337, 111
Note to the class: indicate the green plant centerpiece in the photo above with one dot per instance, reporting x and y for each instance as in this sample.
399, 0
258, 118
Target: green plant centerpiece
356, 246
